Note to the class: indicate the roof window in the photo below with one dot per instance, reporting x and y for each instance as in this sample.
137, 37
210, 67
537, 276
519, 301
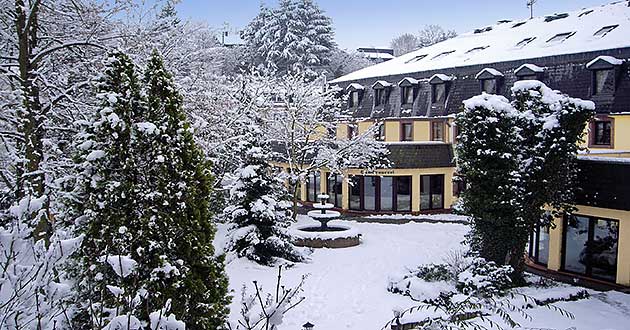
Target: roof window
554, 17
518, 24
443, 54
584, 13
482, 30
525, 42
476, 49
561, 37
605, 30
416, 58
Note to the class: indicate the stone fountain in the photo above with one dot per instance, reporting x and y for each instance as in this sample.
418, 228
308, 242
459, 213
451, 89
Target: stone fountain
325, 235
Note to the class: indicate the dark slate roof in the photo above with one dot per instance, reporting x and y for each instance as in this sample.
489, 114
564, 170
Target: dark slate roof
566, 73
604, 182
410, 155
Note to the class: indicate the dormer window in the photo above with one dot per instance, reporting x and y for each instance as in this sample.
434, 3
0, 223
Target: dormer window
355, 92
439, 88
604, 72
353, 99
605, 30
560, 37
489, 80
529, 72
408, 88
381, 92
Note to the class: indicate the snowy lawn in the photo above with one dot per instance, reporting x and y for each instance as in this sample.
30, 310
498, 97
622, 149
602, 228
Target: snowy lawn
347, 288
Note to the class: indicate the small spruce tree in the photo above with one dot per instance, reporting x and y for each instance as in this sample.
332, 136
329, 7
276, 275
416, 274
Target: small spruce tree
259, 206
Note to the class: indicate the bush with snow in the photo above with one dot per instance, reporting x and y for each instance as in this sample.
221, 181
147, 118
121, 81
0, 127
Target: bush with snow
518, 159
485, 278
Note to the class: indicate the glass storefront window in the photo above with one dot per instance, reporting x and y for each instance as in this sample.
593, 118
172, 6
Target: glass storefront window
369, 193
590, 246
539, 245
431, 192
387, 193
334, 187
403, 193
313, 186
355, 193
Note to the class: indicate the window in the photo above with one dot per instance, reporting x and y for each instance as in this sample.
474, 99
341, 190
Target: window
380, 97
489, 86
407, 95
438, 93
602, 78
380, 135
602, 133
431, 192
406, 132
416, 59
476, 49
444, 54
590, 246
353, 99
355, 193
353, 131
387, 193
312, 186
605, 30
539, 245
334, 187
525, 42
560, 37
369, 193
518, 24
403, 193
437, 131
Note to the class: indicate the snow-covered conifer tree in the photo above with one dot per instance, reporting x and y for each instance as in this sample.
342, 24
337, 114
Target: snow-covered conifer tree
259, 206
177, 186
295, 36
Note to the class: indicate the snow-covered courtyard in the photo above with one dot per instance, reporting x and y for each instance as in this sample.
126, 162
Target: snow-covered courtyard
347, 288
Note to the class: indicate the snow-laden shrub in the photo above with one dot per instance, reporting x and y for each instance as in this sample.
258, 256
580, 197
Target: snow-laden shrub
485, 278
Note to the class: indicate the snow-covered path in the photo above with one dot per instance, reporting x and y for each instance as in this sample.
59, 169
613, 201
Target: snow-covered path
346, 288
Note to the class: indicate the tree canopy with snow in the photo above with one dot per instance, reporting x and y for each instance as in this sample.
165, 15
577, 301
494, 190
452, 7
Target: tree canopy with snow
144, 200
295, 36
518, 160
259, 206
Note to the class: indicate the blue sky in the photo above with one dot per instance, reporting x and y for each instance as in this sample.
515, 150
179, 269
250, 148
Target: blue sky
364, 23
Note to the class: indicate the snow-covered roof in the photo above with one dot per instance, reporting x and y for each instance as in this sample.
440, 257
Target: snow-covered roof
608, 59
530, 67
355, 86
598, 28
380, 56
440, 76
382, 84
409, 80
490, 71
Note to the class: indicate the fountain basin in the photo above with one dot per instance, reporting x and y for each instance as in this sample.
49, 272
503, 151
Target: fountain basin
333, 236
316, 214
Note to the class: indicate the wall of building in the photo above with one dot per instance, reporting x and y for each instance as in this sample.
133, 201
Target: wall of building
623, 248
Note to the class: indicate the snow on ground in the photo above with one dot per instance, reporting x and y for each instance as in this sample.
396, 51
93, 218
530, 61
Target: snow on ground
347, 288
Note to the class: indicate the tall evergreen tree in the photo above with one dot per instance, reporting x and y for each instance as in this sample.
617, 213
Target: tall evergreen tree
145, 215
177, 197
295, 36
519, 161
109, 210
260, 207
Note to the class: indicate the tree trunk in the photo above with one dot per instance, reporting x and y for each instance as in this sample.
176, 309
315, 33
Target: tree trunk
30, 178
